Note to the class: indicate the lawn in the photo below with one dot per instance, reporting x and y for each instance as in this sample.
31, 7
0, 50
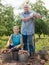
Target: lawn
41, 43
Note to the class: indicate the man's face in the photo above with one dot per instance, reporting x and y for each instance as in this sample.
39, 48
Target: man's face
26, 8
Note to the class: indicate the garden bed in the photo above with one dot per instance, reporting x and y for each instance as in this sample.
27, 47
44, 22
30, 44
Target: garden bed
33, 60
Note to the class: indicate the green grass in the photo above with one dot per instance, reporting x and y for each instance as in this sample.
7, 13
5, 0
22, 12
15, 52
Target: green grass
3, 41
41, 43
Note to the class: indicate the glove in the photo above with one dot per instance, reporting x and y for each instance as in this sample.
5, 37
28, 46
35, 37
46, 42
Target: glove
13, 49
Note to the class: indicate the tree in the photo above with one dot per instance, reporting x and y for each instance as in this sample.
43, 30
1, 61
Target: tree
9, 20
2, 27
6, 19
40, 24
40, 27
18, 21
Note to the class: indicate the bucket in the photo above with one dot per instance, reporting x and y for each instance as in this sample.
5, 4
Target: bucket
23, 57
7, 57
15, 55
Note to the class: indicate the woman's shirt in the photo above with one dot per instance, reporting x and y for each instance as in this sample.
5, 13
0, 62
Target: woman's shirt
16, 39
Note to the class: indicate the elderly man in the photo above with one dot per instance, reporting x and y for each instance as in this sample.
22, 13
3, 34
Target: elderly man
27, 28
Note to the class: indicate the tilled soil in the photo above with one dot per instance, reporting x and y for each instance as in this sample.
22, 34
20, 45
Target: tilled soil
31, 61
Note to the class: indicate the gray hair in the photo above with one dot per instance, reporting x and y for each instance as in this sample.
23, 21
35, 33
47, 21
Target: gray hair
26, 5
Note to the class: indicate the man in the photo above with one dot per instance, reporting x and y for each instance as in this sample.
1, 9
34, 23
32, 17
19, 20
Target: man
27, 28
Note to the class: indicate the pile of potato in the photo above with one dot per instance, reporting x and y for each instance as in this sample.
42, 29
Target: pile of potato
23, 52
43, 56
5, 50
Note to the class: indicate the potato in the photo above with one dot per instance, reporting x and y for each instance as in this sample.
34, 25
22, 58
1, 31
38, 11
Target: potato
42, 61
5, 50
1, 62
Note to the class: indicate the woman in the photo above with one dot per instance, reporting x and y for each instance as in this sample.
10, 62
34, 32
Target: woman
15, 40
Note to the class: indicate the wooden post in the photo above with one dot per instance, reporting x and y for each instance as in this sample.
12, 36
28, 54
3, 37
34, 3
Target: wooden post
34, 38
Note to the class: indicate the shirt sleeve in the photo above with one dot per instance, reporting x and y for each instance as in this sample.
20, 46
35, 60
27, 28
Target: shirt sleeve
31, 13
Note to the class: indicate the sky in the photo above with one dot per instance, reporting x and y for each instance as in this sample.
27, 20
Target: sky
16, 4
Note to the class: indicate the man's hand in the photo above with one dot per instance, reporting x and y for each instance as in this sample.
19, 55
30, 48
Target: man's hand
37, 15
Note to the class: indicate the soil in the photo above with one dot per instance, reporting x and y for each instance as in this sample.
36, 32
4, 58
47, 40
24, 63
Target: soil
32, 61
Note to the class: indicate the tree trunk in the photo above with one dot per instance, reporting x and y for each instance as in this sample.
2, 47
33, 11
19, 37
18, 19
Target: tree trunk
39, 36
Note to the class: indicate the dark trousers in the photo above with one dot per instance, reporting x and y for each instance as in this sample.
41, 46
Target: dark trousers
28, 43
